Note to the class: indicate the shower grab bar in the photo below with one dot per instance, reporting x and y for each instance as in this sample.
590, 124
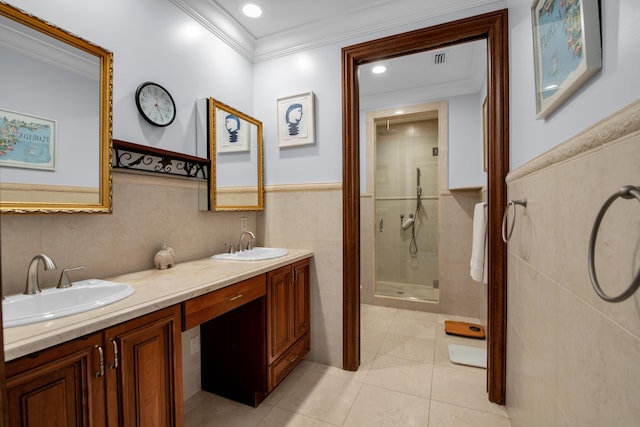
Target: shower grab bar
626, 192
506, 236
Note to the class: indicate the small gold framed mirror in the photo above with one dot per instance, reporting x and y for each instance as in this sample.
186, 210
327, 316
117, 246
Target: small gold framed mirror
55, 118
235, 151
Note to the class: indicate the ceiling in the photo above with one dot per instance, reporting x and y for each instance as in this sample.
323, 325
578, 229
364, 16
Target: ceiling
289, 26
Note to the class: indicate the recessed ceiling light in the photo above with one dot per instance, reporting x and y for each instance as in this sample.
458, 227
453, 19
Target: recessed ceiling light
378, 69
399, 112
252, 10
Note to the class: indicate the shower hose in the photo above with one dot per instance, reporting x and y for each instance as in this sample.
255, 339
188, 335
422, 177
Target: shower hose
413, 246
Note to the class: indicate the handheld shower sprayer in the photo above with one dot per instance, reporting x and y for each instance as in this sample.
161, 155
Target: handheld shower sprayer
408, 222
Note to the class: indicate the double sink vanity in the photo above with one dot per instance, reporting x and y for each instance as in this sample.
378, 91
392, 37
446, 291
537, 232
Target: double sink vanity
122, 362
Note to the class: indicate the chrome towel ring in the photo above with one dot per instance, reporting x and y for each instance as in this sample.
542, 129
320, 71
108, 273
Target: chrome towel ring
626, 192
511, 204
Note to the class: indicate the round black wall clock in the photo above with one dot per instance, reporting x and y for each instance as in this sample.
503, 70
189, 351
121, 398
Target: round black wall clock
155, 104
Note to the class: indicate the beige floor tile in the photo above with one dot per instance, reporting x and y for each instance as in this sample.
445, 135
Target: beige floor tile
446, 415
279, 417
413, 327
405, 379
377, 318
371, 340
423, 316
403, 375
321, 396
207, 409
380, 407
406, 347
463, 388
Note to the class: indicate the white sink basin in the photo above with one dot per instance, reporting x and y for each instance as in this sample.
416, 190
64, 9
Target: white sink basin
52, 303
255, 254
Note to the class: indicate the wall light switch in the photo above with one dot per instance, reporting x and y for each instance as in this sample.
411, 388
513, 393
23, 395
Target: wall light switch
243, 223
195, 345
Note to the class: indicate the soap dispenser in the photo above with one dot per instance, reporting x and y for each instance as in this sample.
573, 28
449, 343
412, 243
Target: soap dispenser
165, 258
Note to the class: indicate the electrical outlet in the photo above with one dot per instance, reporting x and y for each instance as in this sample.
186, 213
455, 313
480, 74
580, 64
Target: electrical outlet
243, 223
195, 345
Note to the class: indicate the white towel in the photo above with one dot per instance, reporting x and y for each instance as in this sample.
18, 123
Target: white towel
478, 246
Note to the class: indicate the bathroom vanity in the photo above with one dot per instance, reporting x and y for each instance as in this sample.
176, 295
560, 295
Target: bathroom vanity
122, 363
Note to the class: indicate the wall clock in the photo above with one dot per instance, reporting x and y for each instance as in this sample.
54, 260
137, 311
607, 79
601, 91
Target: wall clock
155, 104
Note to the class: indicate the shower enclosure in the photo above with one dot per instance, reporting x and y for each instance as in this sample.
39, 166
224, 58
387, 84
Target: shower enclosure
406, 208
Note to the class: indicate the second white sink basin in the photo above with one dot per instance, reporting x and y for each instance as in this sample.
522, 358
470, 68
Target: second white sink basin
52, 303
255, 254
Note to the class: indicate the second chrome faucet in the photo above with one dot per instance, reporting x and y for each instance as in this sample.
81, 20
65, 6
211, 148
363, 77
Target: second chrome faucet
249, 243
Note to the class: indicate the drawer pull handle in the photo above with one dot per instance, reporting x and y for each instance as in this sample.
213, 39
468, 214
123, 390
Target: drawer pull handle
235, 297
100, 373
115, 353
293, 358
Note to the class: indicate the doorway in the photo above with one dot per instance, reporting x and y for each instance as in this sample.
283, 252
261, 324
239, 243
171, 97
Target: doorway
493, 28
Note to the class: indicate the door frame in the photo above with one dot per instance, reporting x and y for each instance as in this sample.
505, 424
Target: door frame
492, 27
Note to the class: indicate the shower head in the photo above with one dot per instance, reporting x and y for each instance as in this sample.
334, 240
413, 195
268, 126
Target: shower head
418, 177
387, 131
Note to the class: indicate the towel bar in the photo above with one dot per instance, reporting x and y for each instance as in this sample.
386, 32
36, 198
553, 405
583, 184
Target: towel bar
511, 204
626, 192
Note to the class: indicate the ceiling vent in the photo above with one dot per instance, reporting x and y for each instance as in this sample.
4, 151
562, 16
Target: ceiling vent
439, 57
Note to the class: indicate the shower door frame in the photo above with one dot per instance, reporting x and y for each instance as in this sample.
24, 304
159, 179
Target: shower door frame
434, 110
492, 27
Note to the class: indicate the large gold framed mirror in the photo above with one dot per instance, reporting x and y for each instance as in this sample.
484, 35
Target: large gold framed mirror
235, 151
55, 118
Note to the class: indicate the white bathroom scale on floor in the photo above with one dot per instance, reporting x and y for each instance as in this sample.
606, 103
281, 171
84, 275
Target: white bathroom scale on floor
470, 356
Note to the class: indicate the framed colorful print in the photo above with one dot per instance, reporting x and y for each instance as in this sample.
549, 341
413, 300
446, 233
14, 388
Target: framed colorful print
27, 141
296, 120
566, 48
232, 131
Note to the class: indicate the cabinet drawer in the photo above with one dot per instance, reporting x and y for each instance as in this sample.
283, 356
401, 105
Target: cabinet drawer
289, 360
206, 307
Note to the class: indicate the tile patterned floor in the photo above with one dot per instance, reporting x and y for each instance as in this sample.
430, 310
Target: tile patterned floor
406, 379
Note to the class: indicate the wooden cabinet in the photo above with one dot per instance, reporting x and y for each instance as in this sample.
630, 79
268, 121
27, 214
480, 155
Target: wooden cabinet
144, 371
129, 374
59, 386
288, 320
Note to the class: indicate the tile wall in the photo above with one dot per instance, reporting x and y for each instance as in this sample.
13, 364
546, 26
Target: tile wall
572, 358
310, 217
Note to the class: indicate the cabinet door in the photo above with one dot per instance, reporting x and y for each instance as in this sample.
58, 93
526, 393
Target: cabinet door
61, 386
279, 306
301, 299
144, 381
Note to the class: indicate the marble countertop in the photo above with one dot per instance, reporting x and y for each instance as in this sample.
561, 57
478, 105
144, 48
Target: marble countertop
154, 290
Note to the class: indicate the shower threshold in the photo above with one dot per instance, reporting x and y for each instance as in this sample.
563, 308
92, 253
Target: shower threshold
407, 291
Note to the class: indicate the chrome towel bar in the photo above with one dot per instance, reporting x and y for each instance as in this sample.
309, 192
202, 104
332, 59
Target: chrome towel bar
626, 192
511, 204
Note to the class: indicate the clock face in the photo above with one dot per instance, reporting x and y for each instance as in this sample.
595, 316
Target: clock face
155, 104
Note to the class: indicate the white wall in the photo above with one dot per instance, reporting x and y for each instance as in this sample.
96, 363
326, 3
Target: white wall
615, 86
318, 70
153, 40
465, 142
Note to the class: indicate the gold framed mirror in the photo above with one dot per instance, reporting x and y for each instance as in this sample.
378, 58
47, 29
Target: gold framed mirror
55, 118
235, 151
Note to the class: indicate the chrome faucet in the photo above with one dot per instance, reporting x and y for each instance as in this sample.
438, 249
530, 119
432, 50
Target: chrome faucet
249, 243
33, 287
